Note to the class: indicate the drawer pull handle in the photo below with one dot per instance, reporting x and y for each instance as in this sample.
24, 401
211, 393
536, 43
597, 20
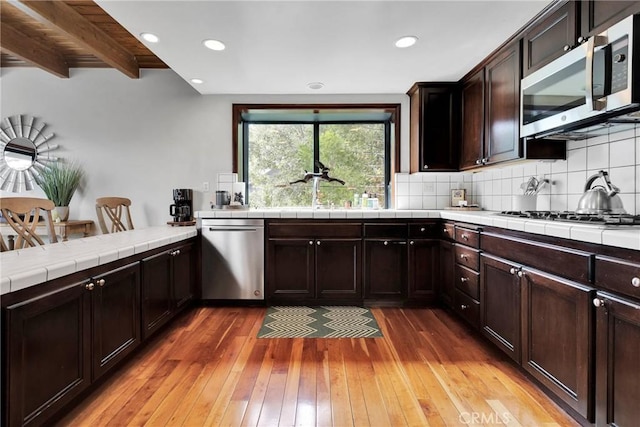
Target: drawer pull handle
464, 279
465, 237
635, 282
598, 302
89, 286
101, 282
463, 307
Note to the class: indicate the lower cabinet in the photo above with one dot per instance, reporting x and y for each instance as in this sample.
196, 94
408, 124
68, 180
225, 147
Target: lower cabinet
385, 269
447, 268
62, 341
167, 284
617, 361
424, 259
542, 322
314, 270
48, 354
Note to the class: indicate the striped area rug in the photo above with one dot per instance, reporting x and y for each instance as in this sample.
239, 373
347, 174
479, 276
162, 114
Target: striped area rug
319, 322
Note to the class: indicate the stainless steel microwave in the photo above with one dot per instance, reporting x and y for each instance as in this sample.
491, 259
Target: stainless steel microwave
594, 85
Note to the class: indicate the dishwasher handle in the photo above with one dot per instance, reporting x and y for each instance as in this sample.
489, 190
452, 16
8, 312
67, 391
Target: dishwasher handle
225, 229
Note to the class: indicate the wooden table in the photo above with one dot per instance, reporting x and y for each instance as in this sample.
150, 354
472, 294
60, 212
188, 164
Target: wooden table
71, 226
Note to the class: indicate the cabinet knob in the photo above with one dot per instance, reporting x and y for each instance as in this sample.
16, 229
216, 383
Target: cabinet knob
513, 270
318, 243
386, 243
463, 307
566, 48
479, 162
598, 302
444, 230
422, 229
411, 242
311, 242
465, 237
635, 282
89, 286
463, 256
425, 167
582, 39
521, 273
485, 160
101, 282
464, 279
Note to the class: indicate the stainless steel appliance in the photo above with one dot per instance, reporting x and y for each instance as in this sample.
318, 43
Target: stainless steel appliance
607, 219
232, 259
587, 90
182, 208
600, 199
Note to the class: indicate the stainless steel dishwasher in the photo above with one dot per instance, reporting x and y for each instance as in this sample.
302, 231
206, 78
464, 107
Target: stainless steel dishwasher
232, 259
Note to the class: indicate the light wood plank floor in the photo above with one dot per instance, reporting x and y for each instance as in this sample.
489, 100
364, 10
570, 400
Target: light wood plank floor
210, 369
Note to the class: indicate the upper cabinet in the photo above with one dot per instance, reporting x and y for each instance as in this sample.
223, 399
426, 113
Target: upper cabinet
435, 126
472, 146
550, 37
598, 15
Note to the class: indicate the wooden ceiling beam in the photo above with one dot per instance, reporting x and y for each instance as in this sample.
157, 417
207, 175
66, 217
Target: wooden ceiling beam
64, 18
17, 44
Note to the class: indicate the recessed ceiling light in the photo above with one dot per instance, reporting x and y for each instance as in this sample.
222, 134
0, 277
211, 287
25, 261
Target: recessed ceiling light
214, 44
315, 85
197, 81
406, 41
151, 38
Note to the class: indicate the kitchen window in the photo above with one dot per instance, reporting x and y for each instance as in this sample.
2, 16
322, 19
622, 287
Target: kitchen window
277, 145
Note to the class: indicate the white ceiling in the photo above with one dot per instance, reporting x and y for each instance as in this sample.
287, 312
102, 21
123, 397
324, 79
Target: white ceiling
278, 47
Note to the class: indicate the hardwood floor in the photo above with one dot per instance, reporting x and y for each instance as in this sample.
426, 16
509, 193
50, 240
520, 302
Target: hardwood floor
210, 369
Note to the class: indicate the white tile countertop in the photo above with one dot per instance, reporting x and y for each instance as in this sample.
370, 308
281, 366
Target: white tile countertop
22, 268
619, 236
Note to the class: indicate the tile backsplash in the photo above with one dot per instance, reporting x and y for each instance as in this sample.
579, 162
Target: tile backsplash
493, 188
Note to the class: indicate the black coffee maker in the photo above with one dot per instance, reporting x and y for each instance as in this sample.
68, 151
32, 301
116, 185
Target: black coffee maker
182, 208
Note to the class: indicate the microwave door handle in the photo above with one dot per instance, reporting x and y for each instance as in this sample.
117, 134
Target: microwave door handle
592, 43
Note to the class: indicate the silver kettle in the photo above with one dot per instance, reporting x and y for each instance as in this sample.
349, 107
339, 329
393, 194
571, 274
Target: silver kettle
600, 199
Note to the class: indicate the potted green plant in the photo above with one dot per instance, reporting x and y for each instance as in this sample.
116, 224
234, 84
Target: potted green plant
59, 181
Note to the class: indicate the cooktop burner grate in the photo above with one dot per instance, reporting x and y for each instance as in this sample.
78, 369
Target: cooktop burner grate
568, 216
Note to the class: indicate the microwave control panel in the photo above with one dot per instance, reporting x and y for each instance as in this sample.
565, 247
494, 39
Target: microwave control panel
619, 64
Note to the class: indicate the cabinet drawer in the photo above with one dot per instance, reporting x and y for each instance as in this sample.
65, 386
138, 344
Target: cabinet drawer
423, 230
468, 308
314, 229
467, 281
388, 230
564, 262
468, 237
448, 231
468, 257
618, 275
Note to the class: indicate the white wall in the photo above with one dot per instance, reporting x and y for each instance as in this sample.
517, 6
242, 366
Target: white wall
142, 138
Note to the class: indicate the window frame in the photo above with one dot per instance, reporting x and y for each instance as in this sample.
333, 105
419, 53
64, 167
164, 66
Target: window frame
239, 131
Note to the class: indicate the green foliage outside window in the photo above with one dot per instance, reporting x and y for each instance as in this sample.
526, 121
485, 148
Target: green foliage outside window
280, 154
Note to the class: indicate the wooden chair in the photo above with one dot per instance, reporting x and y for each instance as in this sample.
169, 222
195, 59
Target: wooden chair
113, 208
23, 215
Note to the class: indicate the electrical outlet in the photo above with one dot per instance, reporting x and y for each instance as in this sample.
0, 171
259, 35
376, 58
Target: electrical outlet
205, 186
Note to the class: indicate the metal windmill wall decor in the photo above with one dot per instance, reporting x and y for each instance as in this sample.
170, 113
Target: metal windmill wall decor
24, 151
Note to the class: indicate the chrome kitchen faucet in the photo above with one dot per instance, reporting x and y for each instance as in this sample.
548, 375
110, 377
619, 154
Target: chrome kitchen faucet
317, 176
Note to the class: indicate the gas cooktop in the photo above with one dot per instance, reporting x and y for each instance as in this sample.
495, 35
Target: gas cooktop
566, 216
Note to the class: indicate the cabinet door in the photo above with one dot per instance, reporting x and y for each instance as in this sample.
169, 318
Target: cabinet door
423, 269
338, 269
556, 337
550, 38
184, 278
502, 118
617, 361
48, 360
472, 147
500, 304
385, 269
434, 128
115, 305
447, 268
291, 268
598, 15
157, 301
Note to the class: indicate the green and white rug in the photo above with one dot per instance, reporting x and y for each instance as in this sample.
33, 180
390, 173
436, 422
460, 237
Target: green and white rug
319, 322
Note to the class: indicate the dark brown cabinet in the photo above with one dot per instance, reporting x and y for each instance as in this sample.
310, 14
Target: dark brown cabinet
447, 266
598, 15
434, 126
617, 361
115, 303
48, 358
167, 285
466, 254
472, 145
550, 37
385, 268
314, 263
500, 308
502, 106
